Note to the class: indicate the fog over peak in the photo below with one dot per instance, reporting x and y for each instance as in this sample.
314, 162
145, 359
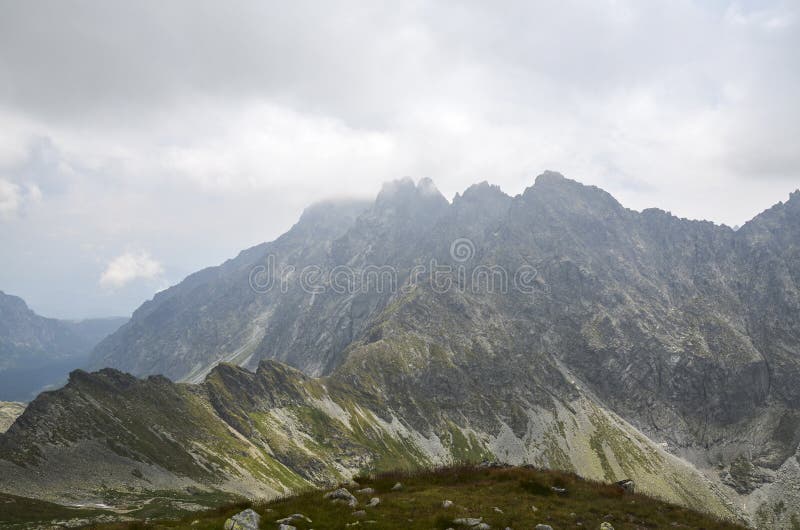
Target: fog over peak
184, 132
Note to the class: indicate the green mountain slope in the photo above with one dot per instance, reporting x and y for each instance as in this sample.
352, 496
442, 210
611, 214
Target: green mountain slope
278, 431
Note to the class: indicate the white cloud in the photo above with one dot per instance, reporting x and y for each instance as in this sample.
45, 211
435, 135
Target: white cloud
231, 148
10, 199
128, 267
769, 19
14, 198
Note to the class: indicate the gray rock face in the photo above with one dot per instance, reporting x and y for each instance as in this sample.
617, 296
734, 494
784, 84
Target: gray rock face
744, 477
245, 520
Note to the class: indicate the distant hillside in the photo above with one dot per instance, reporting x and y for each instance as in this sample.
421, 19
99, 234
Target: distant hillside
37, 352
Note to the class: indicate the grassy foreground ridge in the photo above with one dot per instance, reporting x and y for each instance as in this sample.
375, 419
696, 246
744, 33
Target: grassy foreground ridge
514, 497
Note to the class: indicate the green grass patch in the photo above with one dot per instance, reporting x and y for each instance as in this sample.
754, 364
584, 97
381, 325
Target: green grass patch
503, 497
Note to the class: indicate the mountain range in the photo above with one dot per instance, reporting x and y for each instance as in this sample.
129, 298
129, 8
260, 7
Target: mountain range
38, 352
555, 328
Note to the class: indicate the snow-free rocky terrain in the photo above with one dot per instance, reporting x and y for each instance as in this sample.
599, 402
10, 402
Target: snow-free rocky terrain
624, 345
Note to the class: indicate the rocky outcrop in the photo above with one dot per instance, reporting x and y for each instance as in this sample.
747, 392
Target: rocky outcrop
245, 520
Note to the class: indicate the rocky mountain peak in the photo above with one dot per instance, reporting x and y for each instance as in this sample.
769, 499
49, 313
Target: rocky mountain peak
781, 221
555, 192
404, 190
12, 302
482, 192
481, 201
14, 312
106, 376
331, 217
794, 198
549, 177
402, 198
323, 211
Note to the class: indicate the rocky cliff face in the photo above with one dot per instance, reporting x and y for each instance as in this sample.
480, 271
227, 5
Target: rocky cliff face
556, 327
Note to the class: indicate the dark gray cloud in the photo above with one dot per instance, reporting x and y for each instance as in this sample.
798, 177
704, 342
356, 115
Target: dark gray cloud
126, 123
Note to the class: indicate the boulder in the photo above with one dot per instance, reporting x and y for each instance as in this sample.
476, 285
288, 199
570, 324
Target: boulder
245, 520
294, 517
627, 485
342, 494
468, 521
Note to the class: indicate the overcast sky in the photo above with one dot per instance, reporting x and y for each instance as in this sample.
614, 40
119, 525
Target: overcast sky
141, 141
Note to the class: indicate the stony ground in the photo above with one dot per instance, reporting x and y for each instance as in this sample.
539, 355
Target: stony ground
463, 497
